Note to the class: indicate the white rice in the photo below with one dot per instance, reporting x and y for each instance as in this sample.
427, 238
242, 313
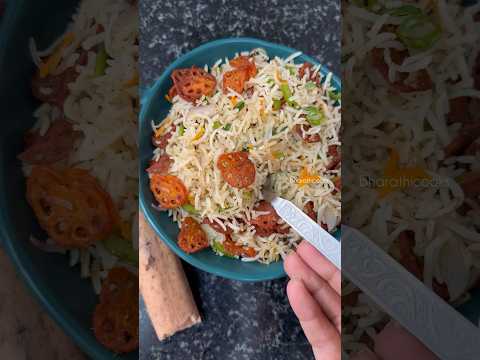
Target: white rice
377, 120
106, 117
264, 132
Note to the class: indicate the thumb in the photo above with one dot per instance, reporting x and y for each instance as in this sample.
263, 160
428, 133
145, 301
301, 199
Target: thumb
396, 343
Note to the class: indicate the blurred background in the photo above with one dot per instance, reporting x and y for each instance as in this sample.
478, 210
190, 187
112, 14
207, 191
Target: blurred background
240, 320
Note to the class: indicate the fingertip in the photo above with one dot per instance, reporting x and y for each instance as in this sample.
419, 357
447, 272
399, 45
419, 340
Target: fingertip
291, 286
290, 264
306, 248
302, 302
295, 288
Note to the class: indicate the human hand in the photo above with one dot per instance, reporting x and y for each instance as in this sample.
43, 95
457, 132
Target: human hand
314, 294
396, 343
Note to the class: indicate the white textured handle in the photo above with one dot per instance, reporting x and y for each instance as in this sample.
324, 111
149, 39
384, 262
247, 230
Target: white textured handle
438, 325
309, 230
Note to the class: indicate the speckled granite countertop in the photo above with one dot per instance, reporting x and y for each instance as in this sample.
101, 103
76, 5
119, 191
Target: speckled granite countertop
250, 321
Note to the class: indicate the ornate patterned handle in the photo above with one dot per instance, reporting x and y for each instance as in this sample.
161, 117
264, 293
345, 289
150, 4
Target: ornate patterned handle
309, 230
438, 325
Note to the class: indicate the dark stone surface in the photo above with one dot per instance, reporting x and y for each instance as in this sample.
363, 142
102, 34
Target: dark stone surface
251, 321
172, 28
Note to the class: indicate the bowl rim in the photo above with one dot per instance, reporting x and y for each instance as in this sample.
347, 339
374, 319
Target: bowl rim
147, 99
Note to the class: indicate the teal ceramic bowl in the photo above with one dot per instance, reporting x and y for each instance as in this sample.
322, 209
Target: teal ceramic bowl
155, 107
69, 299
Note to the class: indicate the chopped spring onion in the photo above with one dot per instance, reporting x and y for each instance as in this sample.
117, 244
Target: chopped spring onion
121, 248
310, 85
293, 104
291, 69
368, 4
278, 155
217, 125
190, 209
276, 131
315, 116
334, 95
219, 249
346, 57
277, 104
419, 32
227, 127
270, 81
247, 195
406, 10
285, 89
101, 61
240, 105
53, 60
181, 130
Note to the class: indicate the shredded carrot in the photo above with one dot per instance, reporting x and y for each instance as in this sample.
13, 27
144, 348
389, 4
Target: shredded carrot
391, 166
396, 178
133, 81
160, 130
199, 133
125, 229
306, 178
191, 199
168, 98
278, 77
262, 107
52, 62
233, 100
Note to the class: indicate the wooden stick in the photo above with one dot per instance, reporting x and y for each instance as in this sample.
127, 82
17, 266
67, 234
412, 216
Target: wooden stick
163, 284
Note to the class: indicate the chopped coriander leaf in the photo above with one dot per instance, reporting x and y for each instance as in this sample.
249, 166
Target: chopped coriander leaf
217, 124
227, 127
270, 81
310, 85
240, 105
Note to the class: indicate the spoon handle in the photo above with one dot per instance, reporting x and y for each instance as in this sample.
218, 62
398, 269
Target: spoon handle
325, 243
434, 322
